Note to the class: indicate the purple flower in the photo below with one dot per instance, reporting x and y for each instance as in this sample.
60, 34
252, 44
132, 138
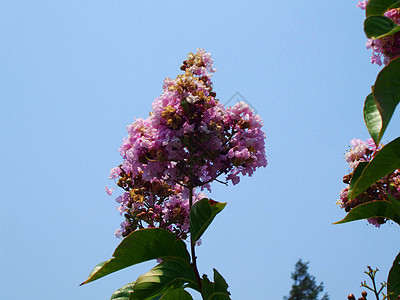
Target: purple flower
357, 153
386, 48
362, 4
364, 152
376, 59
394, 15
114, 173
118, 233
374, 221
109, 191
189, 140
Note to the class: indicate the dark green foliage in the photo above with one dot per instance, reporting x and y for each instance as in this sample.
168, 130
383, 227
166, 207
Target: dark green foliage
393, 289
305, 287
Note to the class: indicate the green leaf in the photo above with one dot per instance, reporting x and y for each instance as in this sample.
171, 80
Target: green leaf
379, 26
140, 246
123, 293
170, 274
220, 283
378, 7
385, 162
207, 287
387, 92
395, 5
373, 209
217, 290
176, 294
356, 175
201, 216
372, 118
393, 287
394, 201
220, 287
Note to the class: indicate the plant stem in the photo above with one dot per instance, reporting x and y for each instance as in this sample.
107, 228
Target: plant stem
193, 244
372, 276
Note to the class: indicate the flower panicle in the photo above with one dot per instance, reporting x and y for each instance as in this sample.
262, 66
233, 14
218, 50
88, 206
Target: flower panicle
188, 141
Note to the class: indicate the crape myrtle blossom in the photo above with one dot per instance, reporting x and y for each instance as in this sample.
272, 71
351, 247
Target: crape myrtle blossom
189, 140
387, 48
362, 4
190, 136
363, 152
153, 204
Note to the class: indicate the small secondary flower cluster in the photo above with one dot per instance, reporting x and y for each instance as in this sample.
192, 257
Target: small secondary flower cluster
152, 204
387, 47
188, 141
363, 152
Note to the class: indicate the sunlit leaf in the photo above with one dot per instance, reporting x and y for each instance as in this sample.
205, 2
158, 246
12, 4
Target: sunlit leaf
373, 209
372, 118
201, 216
123, 293
387, 92
385, 162
169, 274
140, 246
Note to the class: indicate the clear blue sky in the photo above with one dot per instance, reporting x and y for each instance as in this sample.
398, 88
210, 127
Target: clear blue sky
73, 74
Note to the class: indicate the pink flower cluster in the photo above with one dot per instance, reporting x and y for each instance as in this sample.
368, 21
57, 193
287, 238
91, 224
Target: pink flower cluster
363, 152
154, 204
387, 47
188, 141
362, 4
190, 136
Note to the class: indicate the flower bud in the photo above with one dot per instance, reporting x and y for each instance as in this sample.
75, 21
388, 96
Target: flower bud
364, 294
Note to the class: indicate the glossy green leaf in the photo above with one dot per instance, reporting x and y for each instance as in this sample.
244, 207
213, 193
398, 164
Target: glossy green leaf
170, 274
123, 293
176, 294
393, 288
372, 118
140, 246
385, 161
379, 26
378, 7
387, 92
201, 216
373, 209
